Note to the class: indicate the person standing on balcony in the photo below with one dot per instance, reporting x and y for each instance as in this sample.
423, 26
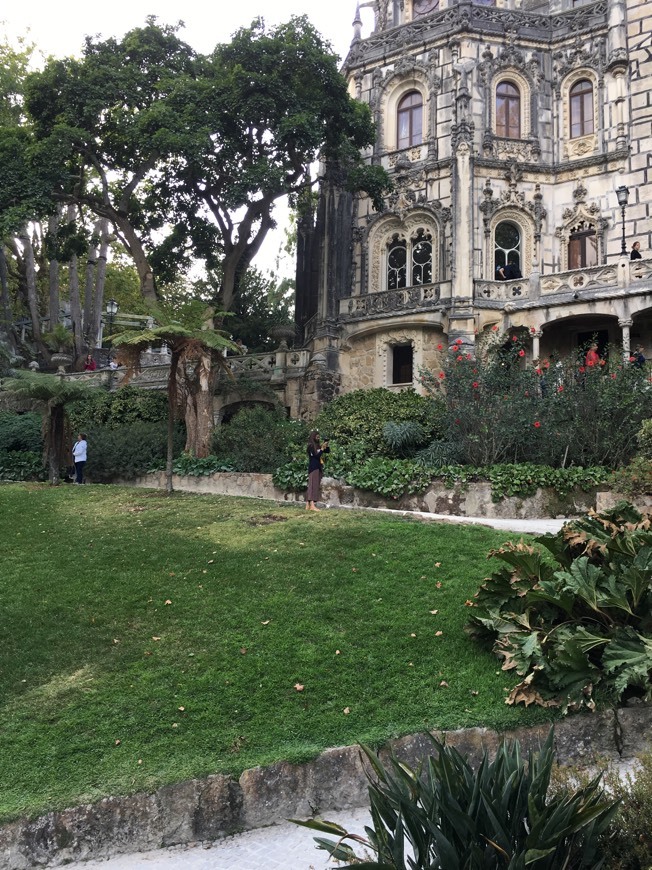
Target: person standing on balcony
500, 273
592, 356
512, 271
635, 253
90, 364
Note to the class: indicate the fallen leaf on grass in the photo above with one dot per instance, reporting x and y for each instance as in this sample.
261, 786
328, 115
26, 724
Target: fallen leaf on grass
443, 685
267, 622
437, 564
434, 612
438, 584
155, 638
182, 709
168, 601
474, 693
438, 633
243, 650
337, 652
346, 711
413, 634
469, 603
118, 742
298, 687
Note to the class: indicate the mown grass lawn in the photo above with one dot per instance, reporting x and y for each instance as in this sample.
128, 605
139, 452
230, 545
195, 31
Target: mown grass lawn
145, 639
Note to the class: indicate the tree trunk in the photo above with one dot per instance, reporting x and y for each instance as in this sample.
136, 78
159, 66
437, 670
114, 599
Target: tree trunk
145, 272
6, 318
100, 279
75, 301
53, 296
200, 386
91, 265
54, 442
30, 279
172, 413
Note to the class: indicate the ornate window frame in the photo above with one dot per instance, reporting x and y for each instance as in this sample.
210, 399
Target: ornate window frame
512, 77
580, 146
386, 341
582, 217
397, 88
381, 234
525, 225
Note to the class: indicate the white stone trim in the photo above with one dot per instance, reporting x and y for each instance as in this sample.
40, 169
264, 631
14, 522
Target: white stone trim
513, 77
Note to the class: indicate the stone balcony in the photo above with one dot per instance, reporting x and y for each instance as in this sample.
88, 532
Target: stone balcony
423, 297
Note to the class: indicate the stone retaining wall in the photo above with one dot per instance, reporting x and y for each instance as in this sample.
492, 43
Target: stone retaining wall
211, 808
473, 500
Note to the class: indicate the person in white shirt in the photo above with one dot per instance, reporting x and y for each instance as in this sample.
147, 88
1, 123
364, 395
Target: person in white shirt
79, 450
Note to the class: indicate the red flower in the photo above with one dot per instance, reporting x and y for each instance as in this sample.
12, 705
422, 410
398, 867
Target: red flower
458, 341
582, 370
460, 358
514, 338
521, 352
613, 377
532, 330
440, 347
527, 393
631, 359
475, 385
457, 422
468, 356
602, 362
537, 425
546, 365
538, 371
560, 388
494, 328
590, 363
441, 376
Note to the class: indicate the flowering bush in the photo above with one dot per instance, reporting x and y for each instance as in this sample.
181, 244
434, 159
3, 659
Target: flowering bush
499, 409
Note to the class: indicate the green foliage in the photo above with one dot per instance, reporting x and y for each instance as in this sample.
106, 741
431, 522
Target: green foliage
389, 477
21, 431
59, 339
200, 467
644, 439
577, 625
359, 418
499, 411
628, 842
404, 438
633, 479
21, 465
127, 451
259, 439
119, 408
498, 817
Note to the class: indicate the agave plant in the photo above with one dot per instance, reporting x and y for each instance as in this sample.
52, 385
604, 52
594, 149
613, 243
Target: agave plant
447, 816
577, 624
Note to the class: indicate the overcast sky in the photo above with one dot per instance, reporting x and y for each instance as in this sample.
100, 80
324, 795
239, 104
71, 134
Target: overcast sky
58, 27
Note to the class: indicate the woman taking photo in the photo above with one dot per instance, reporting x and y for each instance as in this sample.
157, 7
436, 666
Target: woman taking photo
315, 451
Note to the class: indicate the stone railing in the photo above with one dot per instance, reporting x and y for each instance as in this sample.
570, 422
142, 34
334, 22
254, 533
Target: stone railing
640, 270
505, 291
422, 297
256, 365
150, 377
590, 278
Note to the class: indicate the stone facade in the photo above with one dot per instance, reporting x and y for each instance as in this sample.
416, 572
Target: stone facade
507, 129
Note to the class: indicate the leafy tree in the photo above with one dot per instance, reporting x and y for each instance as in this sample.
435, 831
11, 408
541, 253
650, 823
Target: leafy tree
53, 394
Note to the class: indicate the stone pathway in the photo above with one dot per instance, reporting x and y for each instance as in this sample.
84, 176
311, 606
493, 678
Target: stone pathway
280, 847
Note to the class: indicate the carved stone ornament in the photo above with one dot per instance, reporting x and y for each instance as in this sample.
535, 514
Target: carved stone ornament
425, 217
590, 56
581, 217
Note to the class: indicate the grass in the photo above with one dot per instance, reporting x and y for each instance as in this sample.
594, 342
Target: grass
147, 639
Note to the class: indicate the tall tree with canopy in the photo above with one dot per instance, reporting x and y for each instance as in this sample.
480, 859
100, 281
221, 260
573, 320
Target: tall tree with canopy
186, 155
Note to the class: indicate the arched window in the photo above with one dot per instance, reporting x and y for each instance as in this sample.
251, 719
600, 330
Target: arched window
410, 120
582, 247
508, 111
507, 245
396, 263
409, 262
581, 109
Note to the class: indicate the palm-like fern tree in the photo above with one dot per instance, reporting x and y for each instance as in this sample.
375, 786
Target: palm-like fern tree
196, 358
53, 394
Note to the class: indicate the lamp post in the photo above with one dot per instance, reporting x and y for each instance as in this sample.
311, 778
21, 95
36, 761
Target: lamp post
622, 193
111, 311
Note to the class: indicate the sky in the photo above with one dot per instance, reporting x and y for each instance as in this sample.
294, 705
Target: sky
59, 28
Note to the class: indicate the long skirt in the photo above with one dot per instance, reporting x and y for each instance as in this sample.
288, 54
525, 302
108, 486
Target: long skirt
314, 486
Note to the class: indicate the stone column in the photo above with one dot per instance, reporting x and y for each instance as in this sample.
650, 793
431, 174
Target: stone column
625, 326
536, 336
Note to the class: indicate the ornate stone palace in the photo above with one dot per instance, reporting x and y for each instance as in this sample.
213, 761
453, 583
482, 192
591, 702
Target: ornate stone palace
514, 131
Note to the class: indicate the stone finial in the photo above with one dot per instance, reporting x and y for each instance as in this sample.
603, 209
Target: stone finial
357, 24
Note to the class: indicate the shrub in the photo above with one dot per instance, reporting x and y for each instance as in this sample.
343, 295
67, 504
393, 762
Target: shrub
21, 465
127, 452
644, 439
577, 625
499, 411
633, 479
359, 418
21, 431
259, 440
122, 407
445, 814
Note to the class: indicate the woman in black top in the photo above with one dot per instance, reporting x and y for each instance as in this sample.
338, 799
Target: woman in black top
636, 252
315, 469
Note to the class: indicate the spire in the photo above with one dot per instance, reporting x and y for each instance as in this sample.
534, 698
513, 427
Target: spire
357, 24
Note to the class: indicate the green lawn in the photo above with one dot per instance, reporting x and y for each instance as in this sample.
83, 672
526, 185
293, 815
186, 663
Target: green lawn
146, 639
